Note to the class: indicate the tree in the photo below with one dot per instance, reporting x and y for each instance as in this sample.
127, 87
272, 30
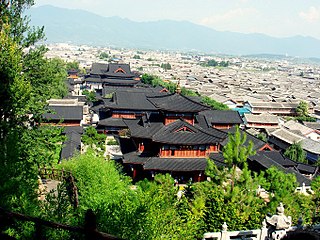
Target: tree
27, 81
166, 66
72, 65
91, 96
214, 104
92, 138
302, 109
104, 55
296, 153
235, 153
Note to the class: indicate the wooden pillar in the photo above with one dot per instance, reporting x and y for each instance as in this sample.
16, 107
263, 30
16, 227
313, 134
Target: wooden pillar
134, 173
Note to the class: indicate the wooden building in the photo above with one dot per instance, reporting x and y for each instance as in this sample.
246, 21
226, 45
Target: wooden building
112, 74
171, 141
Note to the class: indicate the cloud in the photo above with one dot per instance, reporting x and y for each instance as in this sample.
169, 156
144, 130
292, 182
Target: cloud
312, 15
228, 16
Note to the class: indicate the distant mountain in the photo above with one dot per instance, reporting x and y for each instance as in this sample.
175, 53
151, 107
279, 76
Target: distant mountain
82, 27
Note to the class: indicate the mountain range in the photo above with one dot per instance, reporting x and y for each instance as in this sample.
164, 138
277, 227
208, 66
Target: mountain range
82, 27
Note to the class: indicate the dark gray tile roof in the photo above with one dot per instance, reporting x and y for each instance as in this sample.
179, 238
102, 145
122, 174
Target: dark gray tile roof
279, 158
129, 101
114, 67
176, 164
306, 168
222, 116
256, 141
141, 128
71, 145
267, 162
64, 113
98, 68
193, 135
115, 81
218, 159
112, 122
135, 158
176, 103
69, 129
95, 79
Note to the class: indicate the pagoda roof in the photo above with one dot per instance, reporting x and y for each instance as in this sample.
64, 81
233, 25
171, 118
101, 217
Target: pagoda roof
144, 127
117, 81
176, 103
176, 164
126, 100
64, 113
182, 132
222, 116
112, 122
119, 70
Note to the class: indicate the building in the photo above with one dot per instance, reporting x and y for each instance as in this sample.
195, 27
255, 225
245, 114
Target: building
170, 141
64, 112
221, 119
112, 74
264, 121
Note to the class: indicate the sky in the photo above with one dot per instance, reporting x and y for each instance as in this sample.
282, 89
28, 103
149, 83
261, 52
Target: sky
278, 18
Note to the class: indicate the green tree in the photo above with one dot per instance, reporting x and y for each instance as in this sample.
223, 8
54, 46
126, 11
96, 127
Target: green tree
104, 55
302, 109
92, 138
166, 66
90, 95
26, 84
136, 57
236, 152
214, 104
72, 65
296, 153
212, 63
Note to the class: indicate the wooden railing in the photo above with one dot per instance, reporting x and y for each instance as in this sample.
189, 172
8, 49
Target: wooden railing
63, 176
89, 231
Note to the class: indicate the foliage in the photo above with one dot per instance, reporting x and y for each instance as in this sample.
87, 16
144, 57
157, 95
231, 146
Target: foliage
166, 66
315, 184
112, 142
296, 153
72, 65
236, 151
262, 137
104, 55
302, 109
214, 63
90, 95
136, 57
92, 138
214, 104
281, 187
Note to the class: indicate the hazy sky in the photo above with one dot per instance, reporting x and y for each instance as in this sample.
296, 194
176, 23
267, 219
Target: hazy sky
278, 18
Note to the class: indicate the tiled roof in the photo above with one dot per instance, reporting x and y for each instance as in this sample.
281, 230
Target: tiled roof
176, 103
130, 101
222, 116
193, 135
262, 118
257, 143
176, 164
71, 145
142, 128
286, 136
267, 162
295, 126
112, 122
64, 113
